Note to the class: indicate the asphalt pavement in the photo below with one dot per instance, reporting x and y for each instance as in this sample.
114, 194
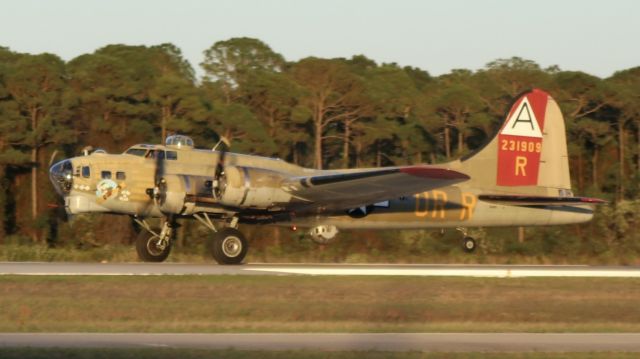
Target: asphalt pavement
439, 342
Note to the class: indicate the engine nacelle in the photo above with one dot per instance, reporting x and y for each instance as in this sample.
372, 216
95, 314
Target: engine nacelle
174, 195
249, 187
323, 234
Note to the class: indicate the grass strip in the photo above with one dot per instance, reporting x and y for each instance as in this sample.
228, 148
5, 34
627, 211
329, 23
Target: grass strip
317, 304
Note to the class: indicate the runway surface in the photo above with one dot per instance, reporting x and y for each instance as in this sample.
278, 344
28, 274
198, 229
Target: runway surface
497, 271
444, 342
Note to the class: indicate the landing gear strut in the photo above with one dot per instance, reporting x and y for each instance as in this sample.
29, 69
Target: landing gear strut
152, 244
468, 243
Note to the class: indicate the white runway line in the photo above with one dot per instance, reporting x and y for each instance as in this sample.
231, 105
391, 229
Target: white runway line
445, 272
430, 270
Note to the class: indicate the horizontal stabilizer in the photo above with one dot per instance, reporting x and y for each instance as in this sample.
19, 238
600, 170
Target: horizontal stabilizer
538, 200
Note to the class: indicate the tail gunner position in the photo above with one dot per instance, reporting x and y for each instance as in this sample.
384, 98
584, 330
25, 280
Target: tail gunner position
520, 178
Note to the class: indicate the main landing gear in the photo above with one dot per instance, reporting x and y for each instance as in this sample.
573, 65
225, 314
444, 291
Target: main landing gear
227, 245
468, 243
153, 244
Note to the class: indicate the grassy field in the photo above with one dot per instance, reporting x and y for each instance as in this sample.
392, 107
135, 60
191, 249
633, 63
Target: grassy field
34, 353
553, 245
305, 252
317, 304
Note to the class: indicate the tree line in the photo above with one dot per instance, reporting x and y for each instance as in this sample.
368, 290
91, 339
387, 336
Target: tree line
315, 112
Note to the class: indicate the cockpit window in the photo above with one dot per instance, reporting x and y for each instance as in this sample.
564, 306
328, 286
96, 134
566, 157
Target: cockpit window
143, 152
171, 155
151, 154
86, 171
106, 174
120, 175
136, 151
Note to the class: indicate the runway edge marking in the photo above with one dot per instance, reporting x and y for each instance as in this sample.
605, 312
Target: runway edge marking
476, 272
323, 270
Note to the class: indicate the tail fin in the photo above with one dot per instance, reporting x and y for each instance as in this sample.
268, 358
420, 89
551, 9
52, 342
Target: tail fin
528, 154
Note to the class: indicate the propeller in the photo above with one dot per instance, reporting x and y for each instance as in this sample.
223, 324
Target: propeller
217, 185
157, 194
160, 184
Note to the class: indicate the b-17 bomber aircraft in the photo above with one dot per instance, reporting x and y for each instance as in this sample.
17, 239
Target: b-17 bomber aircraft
520, 178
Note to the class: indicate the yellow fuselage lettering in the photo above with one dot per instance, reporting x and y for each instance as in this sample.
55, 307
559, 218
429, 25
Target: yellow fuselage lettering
449, 204
421, 204
469, 202
439, 203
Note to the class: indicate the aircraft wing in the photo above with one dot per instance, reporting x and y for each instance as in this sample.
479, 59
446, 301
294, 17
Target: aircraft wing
345, 190
516, 200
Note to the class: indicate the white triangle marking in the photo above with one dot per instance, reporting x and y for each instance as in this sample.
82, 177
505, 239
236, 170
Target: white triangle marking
523, 122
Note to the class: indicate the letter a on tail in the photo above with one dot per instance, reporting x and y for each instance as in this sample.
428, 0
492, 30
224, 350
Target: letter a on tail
520, 141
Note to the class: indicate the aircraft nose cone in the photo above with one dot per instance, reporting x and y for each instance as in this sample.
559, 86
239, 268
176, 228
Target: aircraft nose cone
61, 176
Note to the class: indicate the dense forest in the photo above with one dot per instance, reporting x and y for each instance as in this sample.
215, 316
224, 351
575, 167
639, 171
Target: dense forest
316, 112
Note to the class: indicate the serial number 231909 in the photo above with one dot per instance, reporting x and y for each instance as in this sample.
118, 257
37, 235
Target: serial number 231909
520, 146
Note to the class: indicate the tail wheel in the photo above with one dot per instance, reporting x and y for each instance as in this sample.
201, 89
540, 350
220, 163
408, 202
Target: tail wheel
469, 244
228, 246
151, 248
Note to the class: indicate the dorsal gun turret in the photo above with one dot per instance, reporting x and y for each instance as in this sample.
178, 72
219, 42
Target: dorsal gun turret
179, 141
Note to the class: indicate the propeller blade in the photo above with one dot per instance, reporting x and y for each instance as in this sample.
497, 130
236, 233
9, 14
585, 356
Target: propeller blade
220, 166
159, 167
160, 188
157, 193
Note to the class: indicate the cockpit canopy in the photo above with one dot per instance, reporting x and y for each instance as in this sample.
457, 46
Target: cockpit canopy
179, 141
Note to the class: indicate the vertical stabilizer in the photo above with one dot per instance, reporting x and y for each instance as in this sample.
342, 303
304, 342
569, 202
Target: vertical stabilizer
528, 154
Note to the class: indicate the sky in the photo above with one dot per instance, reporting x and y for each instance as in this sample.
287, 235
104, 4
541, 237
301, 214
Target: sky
597, 37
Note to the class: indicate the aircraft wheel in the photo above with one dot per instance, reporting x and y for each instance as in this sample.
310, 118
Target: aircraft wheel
150, 248
229, 246
469, 244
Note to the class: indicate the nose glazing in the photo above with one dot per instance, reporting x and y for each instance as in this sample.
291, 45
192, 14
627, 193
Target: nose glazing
61, 176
